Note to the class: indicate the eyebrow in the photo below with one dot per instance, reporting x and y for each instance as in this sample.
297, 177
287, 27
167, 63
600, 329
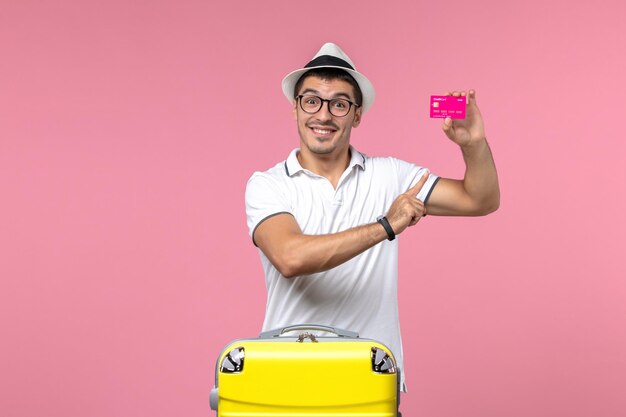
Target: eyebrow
336, 95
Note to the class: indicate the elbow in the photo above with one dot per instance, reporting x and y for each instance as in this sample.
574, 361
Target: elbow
496, 205
287, 271
289, 266
288, 258
495, 201
489, 206
490, 209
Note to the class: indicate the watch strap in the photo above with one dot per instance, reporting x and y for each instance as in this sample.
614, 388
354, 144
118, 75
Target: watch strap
385, 223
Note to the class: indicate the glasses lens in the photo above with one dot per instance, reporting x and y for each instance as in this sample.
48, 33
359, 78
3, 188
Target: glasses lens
339, 107
310, 104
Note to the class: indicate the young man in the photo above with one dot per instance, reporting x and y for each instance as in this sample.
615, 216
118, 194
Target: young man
325, 219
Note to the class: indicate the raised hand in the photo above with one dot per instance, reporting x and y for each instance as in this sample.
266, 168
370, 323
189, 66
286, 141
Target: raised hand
466, 131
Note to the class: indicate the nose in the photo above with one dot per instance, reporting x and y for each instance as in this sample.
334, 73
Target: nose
324, 112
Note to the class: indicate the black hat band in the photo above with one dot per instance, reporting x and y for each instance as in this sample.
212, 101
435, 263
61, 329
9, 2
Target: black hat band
328, 60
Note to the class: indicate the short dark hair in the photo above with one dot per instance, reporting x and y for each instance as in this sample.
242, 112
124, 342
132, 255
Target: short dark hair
330, 74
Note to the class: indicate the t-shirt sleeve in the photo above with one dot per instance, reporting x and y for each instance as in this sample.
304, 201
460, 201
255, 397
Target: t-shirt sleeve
264, 199
410, 174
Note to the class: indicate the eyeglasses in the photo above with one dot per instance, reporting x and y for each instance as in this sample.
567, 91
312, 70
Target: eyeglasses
338, 107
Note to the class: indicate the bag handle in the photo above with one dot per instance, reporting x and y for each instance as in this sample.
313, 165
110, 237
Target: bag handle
318, 327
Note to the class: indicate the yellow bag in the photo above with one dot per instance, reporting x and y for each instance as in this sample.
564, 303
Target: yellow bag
278, 375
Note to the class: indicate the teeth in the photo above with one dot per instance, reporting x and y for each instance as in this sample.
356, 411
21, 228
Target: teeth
323, 132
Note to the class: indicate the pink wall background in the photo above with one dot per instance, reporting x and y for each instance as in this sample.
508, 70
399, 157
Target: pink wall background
128, 131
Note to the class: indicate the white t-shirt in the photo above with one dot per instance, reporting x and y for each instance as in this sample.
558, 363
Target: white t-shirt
361, 294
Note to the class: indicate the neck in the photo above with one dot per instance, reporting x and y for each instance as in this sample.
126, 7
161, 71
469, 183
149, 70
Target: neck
330, 166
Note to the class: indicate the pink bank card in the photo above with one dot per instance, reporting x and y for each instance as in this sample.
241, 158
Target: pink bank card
447, 106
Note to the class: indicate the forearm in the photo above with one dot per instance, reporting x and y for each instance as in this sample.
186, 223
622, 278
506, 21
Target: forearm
481, 178
307, 254
294, 253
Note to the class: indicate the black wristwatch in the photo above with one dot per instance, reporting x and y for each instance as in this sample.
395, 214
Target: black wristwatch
385, 223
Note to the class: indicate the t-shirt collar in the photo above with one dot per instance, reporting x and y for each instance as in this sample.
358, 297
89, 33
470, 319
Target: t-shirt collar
292, 165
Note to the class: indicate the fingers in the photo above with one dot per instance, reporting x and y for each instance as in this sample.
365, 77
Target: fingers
417, 205
414, 191
471, 95
405, 211
420, 212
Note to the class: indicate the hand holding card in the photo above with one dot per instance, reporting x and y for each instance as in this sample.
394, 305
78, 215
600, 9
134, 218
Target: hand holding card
469, 130
447, 106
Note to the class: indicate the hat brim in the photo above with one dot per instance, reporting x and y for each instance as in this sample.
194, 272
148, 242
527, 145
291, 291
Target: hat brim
367, 89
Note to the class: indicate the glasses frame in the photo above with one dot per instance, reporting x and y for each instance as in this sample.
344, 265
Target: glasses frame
322, 100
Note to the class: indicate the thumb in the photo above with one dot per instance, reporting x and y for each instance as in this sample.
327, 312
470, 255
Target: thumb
414, 191
447, 127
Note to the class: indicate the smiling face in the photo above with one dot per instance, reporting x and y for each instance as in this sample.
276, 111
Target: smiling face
322, 134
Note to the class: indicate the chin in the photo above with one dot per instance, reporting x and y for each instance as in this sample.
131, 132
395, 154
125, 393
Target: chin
321, 147
322, 151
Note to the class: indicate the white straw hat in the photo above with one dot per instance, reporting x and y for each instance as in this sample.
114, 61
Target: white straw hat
331, 56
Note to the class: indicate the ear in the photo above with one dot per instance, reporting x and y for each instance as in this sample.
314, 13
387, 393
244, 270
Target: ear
357, 117
294, 110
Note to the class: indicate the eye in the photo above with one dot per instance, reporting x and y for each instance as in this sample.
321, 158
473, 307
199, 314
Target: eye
340, 104
311, 100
